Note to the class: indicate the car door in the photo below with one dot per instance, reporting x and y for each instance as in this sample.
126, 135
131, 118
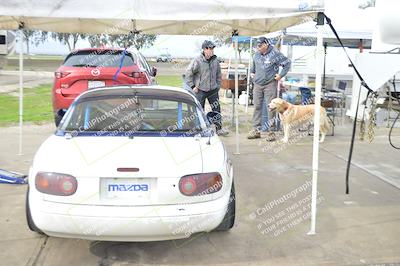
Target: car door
145, 65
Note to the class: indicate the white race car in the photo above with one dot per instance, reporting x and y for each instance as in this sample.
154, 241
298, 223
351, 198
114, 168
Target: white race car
131, 163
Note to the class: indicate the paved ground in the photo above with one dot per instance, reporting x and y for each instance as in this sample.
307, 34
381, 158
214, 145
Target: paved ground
356, 229
9, 80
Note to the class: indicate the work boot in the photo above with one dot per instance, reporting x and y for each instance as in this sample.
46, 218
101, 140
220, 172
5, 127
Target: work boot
254, 134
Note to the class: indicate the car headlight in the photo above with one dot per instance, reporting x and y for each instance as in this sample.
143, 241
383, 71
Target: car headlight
56, 183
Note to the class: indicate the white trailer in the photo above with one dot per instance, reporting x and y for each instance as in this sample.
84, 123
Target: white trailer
3, 48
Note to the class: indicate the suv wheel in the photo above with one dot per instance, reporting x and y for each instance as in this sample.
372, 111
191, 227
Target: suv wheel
58, 117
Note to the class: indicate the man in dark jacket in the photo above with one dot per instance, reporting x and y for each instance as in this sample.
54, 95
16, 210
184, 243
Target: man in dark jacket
203, 75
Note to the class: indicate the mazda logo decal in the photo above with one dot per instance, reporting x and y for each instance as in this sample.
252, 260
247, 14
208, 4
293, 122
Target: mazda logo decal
95, 72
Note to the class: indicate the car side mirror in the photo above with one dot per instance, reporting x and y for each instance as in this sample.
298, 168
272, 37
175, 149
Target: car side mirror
153, 71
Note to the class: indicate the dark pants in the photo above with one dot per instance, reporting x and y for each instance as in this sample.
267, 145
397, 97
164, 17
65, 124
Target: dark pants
213, 99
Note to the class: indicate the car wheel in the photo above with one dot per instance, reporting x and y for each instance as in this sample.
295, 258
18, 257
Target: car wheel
57, 119
29, 220
229, 219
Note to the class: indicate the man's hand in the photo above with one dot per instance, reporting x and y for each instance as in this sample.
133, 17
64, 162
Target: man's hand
277, 77
195, 90
252, 75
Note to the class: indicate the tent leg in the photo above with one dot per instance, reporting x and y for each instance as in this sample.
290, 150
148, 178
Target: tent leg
233, 111
21, 90
318, 79
233, 99
236, 96
248, 76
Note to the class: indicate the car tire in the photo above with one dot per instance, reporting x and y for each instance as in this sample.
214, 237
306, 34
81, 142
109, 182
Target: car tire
229, 219
57, 119
29, 219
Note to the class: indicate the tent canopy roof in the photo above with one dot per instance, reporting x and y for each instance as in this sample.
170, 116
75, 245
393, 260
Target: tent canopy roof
176, 17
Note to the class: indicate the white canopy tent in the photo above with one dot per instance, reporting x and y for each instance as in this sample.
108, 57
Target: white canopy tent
175, 17
156, 16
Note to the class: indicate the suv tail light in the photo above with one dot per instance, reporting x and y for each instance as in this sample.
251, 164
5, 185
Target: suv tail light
56, 183
200, 184
139, 77
61, 74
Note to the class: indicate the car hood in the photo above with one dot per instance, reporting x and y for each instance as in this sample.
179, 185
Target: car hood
101, 156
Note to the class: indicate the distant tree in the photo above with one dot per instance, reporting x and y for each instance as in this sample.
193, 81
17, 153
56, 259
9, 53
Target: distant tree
28, 36
133, 39
35, 37
99, 40
40, 37
70, 39
242, 47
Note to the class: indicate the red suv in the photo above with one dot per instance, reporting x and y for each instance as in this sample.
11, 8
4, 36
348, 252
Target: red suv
97, 67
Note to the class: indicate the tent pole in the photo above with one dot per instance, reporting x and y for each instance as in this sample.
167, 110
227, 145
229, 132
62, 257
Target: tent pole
21, 90
233, 99
318, 78
236, 95
248, 75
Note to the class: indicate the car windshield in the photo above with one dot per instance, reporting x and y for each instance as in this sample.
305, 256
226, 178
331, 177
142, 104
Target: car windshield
104, 58
136, 114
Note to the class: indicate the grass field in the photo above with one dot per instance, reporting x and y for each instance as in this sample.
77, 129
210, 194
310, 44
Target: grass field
38, 106
175, 81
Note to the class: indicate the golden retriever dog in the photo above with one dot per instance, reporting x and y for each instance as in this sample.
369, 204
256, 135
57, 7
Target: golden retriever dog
291, 114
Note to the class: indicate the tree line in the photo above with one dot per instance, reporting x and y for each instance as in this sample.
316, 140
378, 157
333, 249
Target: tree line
137, 40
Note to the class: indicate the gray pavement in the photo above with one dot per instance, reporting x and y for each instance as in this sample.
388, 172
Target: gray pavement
362, 228
9, 80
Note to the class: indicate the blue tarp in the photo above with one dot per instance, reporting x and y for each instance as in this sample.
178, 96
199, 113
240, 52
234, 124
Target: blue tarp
241, 39
12, 177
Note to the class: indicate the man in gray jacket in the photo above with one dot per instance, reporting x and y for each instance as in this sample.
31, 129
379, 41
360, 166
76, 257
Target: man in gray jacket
203, 75
265, 73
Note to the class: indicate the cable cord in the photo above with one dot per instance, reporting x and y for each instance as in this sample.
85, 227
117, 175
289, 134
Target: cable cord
370, 91
397, 117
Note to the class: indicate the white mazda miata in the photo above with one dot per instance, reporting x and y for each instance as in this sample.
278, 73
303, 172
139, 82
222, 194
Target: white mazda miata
132, 163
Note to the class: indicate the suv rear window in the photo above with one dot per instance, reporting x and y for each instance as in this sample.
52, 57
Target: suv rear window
104, 58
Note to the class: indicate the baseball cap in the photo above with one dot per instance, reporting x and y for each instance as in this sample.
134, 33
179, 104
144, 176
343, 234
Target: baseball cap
207, 44
262, 40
